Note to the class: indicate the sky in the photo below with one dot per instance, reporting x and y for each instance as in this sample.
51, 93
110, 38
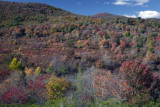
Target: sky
130, 8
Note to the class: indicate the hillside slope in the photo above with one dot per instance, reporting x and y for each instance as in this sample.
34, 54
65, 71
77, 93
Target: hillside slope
49, 58
9, 9
17, 12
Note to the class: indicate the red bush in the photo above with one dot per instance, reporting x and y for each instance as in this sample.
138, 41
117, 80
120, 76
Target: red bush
18, 30
15, 95
97, 29
101, 33
131, 44
158, 38
37, 84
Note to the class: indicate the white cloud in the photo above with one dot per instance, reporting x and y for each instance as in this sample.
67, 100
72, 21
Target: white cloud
121, 2
141, 2
131, 16
131, 2
145, 14
149, 14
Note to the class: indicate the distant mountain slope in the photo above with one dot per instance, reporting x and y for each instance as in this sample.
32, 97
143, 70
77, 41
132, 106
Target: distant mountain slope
106, 15
10, 9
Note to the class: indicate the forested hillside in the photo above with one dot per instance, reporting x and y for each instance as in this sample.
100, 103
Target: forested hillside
77, 61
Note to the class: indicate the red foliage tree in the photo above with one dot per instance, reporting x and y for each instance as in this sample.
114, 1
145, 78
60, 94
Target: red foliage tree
113, 46
123, 44
140, 78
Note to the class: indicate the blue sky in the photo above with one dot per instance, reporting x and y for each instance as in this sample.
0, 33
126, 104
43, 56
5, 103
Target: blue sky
130, 8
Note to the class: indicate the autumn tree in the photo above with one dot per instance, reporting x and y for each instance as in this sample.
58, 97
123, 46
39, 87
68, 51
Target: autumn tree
57, 87
123, 44
113, 46
140, 78
15, 65
106, 85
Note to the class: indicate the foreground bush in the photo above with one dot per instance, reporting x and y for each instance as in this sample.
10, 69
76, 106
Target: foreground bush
56, 103
57, 87
20, 105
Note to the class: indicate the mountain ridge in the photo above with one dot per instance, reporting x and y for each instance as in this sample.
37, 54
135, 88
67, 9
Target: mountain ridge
105, 15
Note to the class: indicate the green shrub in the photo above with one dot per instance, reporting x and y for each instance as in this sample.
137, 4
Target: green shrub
63, 70
56, 103
152, 104
127, 34
41, 18
80, 69
141, 99
15, 21
140, 42
50, 70
131, 36
151, 46
142, 30
146, 104
16, 65
70, 41
37, 71
29, 35
151, 50
19, 105
111, 102
7, 60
